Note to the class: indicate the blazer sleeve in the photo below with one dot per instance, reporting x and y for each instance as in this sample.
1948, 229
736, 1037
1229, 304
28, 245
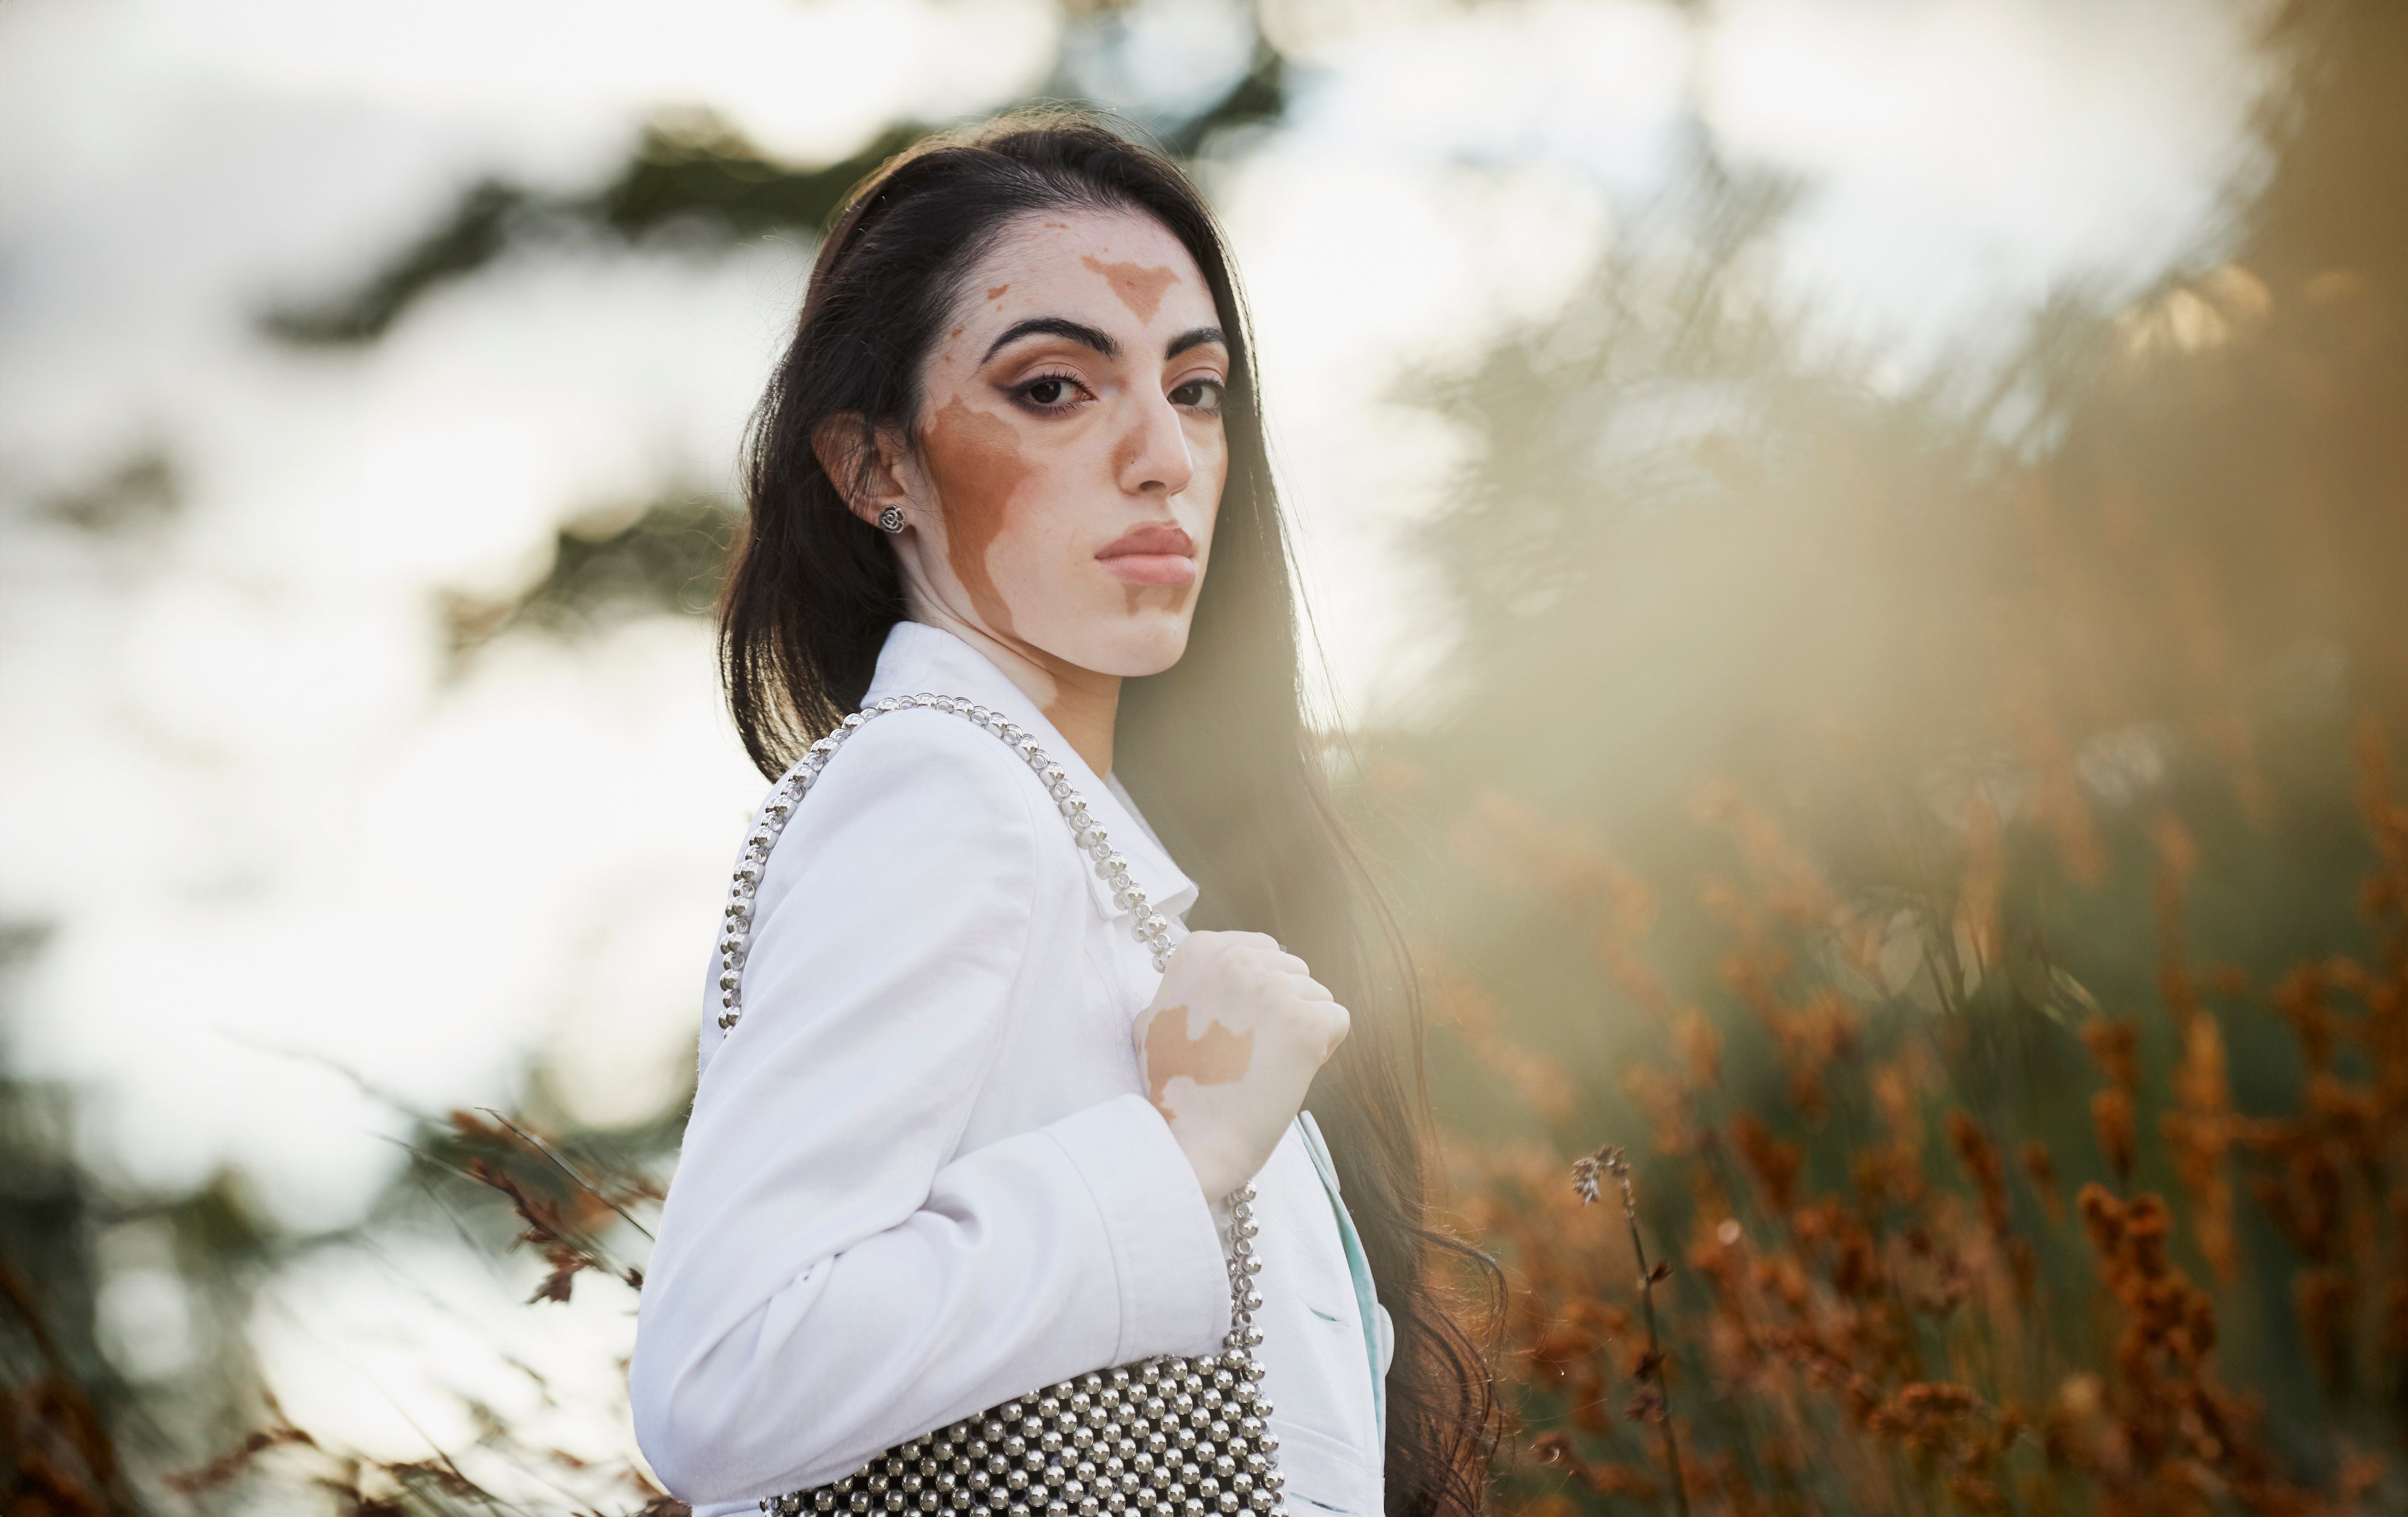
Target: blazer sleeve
830, 1279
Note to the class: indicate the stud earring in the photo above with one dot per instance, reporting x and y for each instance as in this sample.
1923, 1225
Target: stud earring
891, 520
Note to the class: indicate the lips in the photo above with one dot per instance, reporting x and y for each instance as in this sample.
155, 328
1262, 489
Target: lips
1154, 555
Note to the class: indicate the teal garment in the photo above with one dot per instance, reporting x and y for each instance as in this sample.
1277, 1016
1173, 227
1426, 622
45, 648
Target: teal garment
1376, 1329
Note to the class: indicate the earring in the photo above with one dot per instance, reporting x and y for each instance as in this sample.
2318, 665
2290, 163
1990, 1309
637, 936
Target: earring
891, 519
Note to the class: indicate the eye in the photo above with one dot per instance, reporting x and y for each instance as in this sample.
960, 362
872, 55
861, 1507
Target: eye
1050, 393
1199, 395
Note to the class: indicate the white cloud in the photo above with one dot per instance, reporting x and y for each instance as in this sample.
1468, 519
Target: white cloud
1961, 159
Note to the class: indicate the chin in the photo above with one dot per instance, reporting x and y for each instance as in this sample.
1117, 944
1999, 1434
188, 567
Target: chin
1147, 644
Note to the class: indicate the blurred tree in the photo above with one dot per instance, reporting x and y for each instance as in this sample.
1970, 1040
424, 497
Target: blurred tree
694, 177
670, 556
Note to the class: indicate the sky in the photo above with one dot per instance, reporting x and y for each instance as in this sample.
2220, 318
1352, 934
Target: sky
290, 863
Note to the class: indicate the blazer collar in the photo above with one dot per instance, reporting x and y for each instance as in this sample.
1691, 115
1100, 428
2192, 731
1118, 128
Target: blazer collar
918, 658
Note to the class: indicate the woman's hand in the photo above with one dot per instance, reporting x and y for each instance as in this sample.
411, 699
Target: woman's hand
1228, 1046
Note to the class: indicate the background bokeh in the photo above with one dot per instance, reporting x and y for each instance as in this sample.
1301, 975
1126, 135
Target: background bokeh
1961, 431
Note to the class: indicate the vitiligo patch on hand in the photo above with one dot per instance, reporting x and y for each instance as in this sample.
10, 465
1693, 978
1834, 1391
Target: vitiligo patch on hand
1215, 1056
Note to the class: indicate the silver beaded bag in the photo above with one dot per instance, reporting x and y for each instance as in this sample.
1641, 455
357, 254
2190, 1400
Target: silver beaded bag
1166, 1437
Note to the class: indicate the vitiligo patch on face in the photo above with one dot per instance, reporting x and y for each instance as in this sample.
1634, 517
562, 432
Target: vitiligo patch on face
1141, 288
1215, 1056
975, 458
1172, 598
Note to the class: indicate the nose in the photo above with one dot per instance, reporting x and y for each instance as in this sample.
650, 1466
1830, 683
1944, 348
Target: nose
1152, 457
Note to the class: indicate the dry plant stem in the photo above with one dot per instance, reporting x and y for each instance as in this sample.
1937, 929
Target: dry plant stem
562, 1165
1655, 1350
1614, 1160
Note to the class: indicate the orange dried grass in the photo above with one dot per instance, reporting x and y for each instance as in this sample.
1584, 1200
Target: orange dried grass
1893, 1348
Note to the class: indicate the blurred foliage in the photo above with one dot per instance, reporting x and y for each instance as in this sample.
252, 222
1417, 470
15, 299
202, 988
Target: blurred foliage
670, 557
692, 177
1827, 774
73, 1422
139, 493
577, 1202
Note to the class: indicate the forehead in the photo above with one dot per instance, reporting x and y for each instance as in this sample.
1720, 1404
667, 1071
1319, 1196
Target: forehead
1106, 267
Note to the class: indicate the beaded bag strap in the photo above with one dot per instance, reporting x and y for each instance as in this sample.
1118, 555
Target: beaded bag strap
735, 928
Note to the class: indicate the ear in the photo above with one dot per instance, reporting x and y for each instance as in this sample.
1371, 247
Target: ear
865, 462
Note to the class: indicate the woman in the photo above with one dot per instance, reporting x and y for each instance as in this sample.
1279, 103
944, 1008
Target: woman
969, 1112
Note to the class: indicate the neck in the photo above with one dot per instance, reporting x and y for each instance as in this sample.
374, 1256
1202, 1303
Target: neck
1081, 704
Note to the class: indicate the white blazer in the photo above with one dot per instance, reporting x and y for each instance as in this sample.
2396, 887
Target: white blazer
922, 1175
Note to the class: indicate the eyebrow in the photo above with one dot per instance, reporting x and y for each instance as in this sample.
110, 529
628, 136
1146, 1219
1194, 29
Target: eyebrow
1196, 338
1055, 326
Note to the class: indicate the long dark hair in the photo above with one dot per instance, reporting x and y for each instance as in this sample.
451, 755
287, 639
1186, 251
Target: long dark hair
1216, 749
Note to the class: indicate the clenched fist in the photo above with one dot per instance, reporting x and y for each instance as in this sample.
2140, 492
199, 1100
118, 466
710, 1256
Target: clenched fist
1228, 1046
